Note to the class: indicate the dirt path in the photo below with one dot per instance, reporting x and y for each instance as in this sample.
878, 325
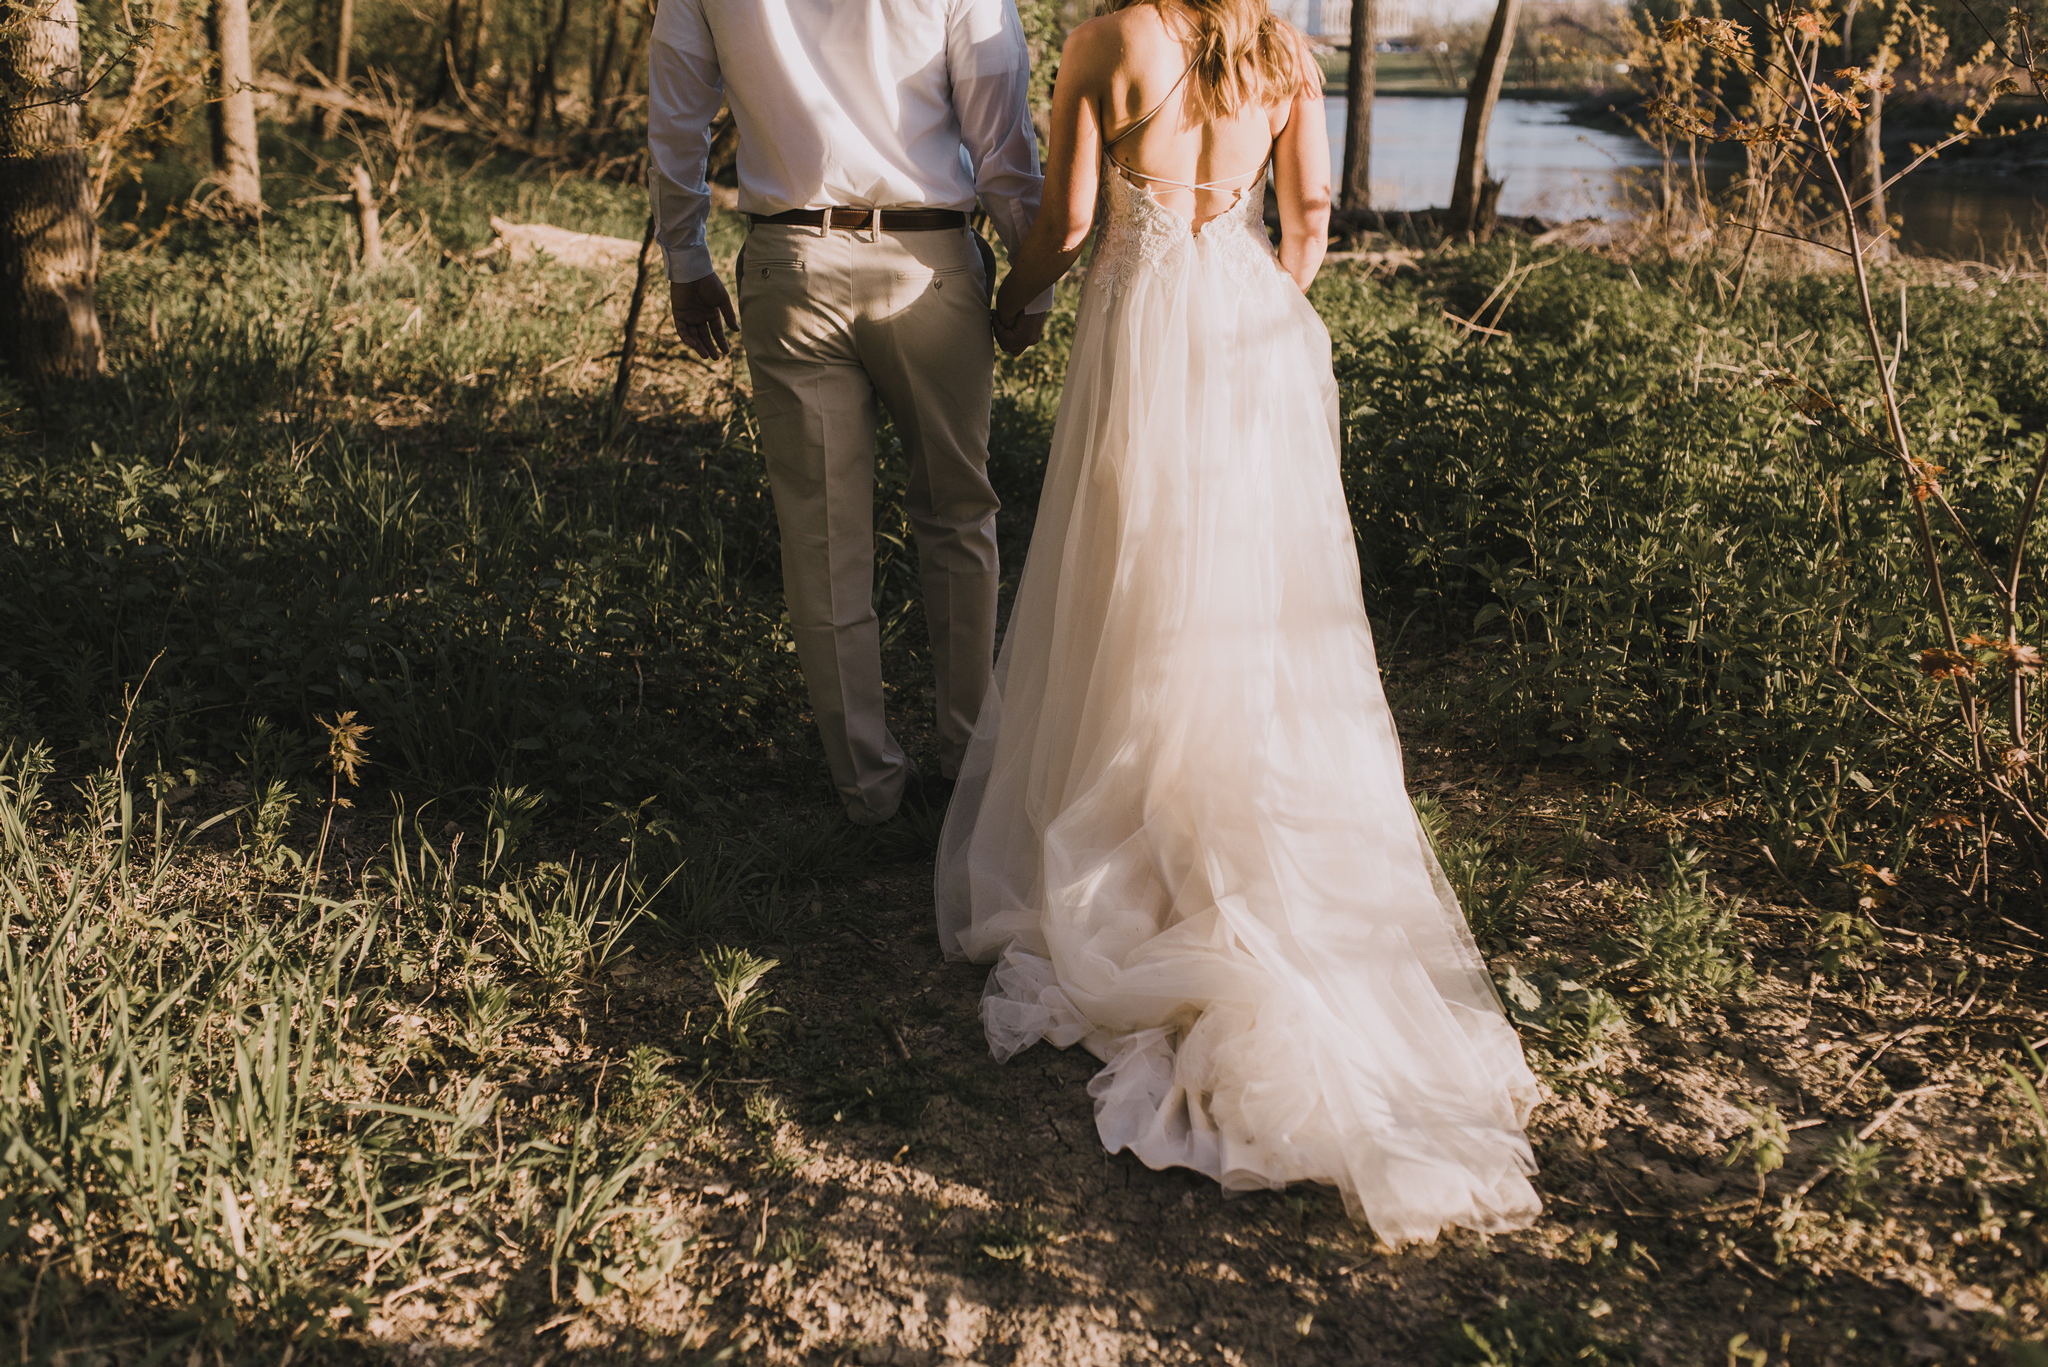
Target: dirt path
868, 1186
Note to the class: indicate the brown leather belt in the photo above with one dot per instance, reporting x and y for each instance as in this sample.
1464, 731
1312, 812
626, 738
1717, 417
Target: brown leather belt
893, 220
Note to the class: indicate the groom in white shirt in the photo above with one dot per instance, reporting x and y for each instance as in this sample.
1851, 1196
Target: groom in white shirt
867, 131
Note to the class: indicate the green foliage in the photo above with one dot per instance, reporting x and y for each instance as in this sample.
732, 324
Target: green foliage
1766, 1143
1683, 952
1490, 888
1844, 938
1858, 1166
2033, 1116
563, 923
212, 1119
1520, 1334
1647, 554
1576, 1027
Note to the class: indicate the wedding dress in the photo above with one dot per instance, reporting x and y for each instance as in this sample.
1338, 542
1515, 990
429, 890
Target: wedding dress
1181, 832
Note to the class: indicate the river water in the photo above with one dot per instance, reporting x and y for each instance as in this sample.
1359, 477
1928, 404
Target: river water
1561, 170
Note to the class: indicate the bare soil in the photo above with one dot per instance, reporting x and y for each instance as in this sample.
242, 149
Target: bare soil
867, 1186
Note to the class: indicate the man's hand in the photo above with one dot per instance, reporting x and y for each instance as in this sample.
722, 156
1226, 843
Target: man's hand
703, 312
1019, 336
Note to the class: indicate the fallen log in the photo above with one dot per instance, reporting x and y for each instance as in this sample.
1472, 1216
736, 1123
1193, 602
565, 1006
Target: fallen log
524, 241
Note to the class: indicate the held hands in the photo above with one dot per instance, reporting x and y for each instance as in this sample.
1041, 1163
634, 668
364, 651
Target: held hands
1019, 334
703, 312
1016, 331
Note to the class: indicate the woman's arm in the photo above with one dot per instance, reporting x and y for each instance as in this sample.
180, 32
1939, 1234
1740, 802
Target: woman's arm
1301, 176
1072, 167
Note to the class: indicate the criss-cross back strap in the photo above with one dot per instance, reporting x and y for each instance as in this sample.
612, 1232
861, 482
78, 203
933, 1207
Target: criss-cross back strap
1146, 182
1239, 183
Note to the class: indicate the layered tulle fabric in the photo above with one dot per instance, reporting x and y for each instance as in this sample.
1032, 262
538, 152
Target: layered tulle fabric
1181, 831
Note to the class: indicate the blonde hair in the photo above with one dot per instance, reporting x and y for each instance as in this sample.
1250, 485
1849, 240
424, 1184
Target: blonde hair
1243, 55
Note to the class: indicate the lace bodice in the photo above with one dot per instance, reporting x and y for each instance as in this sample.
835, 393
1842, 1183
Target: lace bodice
1138, 234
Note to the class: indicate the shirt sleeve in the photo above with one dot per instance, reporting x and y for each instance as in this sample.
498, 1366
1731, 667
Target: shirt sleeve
990, 69
685, 90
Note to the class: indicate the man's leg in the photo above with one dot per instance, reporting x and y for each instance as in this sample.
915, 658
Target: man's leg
817, 414
924, 337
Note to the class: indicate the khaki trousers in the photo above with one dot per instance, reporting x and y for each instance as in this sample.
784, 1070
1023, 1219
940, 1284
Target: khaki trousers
834, 321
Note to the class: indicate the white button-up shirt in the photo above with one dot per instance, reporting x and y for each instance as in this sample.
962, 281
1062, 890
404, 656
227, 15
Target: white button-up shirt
841, 103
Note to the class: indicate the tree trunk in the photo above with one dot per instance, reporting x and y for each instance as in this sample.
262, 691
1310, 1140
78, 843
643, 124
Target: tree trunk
344, 39
316, 37
542, 89
231, 113
634, 70
475, 63
1361, 75
1467, 190
447, 57
601, 62
1865, 159
49, 244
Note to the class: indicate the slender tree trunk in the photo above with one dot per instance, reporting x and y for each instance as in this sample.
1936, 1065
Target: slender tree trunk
601, 61
1468, 191
1866, 162
447, 56
629, 76
231, 113
49, 244
344, 39
543, 86
316, 53
1361, 75
475, 64
1865, 158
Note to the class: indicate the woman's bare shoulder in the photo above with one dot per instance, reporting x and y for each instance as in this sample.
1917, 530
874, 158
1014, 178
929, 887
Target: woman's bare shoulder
1133, 32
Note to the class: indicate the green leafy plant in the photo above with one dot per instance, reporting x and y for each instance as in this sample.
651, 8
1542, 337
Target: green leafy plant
1582, 1027
1765, 1144
565, 923
1858, 1168
1489, 888
509, 817
1683, 947
736, 976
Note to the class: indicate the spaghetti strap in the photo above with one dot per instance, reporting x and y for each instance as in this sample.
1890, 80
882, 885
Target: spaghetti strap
1147, 116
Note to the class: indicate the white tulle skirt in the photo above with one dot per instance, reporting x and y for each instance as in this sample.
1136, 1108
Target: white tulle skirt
1181, 832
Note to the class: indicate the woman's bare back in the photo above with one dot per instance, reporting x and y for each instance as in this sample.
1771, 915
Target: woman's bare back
1197, 168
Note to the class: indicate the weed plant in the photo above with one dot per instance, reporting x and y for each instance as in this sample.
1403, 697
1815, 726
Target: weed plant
1683, 952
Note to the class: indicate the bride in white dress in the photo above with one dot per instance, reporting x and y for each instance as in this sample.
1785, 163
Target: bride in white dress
1181, 832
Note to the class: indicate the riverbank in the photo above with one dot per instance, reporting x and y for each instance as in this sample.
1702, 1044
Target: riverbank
1417, 74
2013, 143
588, 1030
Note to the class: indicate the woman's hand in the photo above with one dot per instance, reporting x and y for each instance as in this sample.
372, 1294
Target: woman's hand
1019, 334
